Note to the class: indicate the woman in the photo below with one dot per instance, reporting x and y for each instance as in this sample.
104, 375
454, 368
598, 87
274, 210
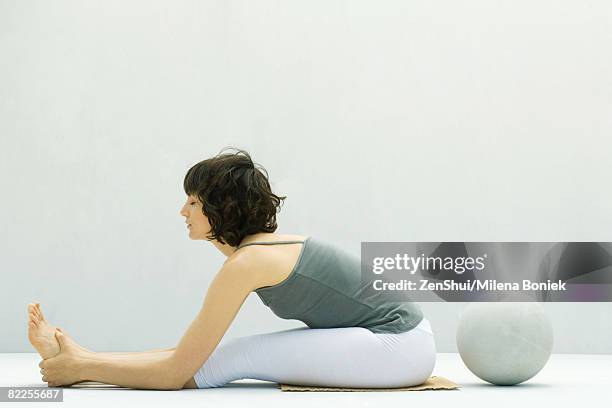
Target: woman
355, 337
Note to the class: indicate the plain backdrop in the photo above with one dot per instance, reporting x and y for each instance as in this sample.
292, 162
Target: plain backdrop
379, 120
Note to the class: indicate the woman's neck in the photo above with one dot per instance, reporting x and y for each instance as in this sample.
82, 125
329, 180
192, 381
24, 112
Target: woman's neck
228, 250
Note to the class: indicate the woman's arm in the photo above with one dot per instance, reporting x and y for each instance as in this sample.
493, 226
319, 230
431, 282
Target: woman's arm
129, 355
143, 372
144, 355
170, 371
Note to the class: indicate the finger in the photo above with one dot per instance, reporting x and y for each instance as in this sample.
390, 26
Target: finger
44, 378
45, 363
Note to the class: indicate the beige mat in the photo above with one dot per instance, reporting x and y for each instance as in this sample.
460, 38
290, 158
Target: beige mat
433, 383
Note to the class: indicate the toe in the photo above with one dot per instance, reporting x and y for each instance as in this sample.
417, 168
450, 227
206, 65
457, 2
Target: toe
38, 309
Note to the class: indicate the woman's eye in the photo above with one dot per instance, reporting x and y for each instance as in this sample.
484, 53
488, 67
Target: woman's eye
191, 203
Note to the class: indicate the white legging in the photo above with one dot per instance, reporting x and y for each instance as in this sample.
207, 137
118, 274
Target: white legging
336, 357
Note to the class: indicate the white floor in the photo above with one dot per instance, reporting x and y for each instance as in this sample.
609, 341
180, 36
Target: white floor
568, 380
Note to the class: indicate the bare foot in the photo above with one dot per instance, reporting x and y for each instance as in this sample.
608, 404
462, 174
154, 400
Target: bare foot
41, 333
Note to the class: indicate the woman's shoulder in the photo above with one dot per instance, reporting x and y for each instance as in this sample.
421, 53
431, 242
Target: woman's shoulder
268, 261
265, 248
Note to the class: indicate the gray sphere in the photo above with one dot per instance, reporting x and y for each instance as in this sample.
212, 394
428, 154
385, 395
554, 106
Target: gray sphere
504, 343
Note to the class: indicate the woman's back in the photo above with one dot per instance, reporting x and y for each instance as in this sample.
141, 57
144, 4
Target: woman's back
321, 285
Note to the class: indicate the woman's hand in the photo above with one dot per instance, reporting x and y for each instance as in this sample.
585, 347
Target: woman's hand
65, 368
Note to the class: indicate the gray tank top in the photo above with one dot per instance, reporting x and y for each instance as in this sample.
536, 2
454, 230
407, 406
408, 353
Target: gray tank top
325, 290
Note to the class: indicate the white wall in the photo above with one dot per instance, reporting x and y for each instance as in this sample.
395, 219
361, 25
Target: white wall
409, 121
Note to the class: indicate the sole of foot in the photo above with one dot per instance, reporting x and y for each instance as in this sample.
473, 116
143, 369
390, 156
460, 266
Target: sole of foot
40, 333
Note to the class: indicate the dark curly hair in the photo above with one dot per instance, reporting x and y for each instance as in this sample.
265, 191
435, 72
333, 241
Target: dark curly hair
235, 195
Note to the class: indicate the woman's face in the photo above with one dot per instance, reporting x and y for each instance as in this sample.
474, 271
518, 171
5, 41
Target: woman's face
199, 227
